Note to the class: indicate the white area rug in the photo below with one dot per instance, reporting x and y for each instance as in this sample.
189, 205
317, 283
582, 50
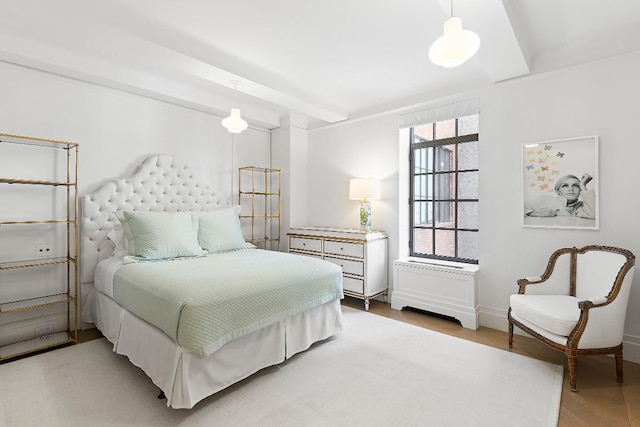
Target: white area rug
377, 372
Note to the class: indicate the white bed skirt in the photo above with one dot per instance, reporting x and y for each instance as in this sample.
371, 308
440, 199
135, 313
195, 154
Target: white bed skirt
186, 379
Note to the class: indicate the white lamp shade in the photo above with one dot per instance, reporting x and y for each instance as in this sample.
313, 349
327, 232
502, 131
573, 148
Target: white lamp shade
234, 123
455, 46
364, 189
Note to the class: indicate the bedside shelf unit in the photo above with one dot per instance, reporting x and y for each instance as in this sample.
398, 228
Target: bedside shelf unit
362, 256
259, 200
43, 293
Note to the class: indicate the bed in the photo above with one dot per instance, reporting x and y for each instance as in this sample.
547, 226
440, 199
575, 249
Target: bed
195, 321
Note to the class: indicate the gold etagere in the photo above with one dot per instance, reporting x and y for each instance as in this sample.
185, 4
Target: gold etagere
49, 337
259, 200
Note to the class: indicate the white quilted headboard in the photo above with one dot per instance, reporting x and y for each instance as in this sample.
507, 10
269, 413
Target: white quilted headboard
162, 183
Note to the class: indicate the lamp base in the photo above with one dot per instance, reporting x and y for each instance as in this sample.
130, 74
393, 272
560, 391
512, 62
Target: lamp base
365, 216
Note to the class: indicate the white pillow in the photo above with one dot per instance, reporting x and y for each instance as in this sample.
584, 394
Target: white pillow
117, 237
220, 230
160, 235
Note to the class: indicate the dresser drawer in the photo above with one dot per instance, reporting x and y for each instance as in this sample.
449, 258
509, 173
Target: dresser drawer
304, 244
344, 248
362, 257
348, 266
353, 285
307, 254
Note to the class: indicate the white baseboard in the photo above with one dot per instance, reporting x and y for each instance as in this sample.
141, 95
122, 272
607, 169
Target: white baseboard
496, 318
631, 348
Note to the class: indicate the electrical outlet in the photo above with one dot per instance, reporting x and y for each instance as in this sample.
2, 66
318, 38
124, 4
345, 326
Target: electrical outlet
44, 329
43, 250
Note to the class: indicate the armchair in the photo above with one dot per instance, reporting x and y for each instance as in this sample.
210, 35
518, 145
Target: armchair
578, 305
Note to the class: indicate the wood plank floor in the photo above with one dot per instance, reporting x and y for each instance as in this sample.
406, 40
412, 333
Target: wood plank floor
600, 399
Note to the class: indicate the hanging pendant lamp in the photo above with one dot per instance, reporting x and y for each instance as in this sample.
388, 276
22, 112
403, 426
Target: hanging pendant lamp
234, 123
455, 46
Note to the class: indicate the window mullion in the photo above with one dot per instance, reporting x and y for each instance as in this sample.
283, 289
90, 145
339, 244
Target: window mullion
456, 195
435, 190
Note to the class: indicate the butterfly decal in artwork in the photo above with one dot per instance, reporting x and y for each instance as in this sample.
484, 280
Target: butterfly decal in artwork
561, 155
545, 168
544, 186
529, 167
541, 178
547, 147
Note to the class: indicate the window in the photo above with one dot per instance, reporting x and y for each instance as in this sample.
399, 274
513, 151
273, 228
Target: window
444, 190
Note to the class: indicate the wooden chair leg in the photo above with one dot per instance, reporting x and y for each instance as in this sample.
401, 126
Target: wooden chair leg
510, 334
619, 366
572, 372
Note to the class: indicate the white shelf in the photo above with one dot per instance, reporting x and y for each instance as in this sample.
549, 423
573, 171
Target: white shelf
40, 343
67, 293
259, 200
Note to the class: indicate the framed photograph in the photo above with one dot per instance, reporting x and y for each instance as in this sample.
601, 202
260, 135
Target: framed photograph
560, 184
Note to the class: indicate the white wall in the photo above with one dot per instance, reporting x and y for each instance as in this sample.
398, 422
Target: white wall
116, 131
365, 149
289, 153
599, 98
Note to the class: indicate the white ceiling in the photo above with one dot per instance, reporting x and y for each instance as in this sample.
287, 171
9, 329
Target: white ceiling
313, 62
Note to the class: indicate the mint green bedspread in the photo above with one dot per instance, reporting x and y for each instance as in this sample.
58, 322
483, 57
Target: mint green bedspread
203, 303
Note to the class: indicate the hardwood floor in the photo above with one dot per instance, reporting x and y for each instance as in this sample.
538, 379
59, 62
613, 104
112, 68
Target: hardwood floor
600, 399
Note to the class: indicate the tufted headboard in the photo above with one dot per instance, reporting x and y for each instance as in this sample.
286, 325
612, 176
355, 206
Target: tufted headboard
162, 183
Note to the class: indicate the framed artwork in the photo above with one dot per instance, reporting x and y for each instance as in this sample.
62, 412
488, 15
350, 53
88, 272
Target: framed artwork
560, 184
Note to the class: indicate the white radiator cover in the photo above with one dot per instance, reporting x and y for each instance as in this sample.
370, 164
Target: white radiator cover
446, 288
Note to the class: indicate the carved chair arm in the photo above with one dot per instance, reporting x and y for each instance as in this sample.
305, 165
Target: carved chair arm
579, 329
522, 283
593, 302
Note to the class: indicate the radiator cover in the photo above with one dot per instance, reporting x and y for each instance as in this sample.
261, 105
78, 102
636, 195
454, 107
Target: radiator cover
445, 288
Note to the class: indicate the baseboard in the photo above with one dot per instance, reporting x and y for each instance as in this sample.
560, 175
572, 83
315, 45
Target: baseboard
496, 318
493, 318
631, 348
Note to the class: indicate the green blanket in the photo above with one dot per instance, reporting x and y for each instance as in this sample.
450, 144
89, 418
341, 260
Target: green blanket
203, 303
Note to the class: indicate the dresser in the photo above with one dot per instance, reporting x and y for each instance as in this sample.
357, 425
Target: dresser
361, 254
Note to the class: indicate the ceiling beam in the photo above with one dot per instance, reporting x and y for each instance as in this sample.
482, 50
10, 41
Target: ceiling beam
500, 52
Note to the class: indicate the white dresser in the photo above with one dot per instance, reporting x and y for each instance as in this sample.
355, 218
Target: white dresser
362, 256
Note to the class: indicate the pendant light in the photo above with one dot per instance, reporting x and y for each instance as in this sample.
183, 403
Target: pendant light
235, 123
455, 45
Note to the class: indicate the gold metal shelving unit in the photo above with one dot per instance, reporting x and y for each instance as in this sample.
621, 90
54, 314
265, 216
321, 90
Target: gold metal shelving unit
259, 199
50, 337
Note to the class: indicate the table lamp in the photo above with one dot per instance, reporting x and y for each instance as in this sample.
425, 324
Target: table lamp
364, 189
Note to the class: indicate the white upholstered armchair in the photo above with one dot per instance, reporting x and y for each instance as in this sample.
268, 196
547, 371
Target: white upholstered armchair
578, 305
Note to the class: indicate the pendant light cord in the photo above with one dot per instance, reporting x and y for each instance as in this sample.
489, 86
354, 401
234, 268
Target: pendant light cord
235, 90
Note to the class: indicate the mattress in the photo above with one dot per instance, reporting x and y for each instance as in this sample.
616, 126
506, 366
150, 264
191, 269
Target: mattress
203, 303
